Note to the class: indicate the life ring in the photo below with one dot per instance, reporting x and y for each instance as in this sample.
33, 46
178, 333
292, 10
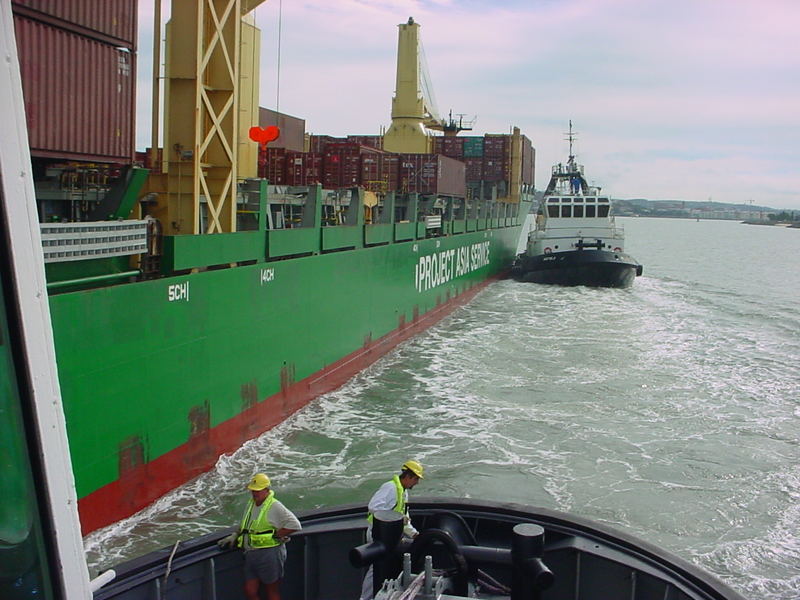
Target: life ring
547, 250
617, 249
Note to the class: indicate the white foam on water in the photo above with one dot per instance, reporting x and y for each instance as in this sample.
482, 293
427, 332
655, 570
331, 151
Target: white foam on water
669, 409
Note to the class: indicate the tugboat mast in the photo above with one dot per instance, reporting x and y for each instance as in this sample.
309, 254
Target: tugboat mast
571, 138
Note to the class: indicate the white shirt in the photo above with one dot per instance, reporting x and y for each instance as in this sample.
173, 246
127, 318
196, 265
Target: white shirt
385, 499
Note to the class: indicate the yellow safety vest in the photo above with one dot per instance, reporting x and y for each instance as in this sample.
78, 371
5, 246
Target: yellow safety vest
400, 501
260, 531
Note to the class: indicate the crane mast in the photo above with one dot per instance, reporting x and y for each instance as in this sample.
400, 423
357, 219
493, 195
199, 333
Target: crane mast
414, 112
408, 132
211, 101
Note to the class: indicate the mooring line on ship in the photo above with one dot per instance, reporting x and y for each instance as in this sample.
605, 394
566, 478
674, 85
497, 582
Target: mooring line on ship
169, 568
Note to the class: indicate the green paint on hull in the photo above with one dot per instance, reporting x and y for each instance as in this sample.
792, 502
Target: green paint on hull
144, 366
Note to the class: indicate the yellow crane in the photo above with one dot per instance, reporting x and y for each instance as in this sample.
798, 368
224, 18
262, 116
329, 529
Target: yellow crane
414, 111
211, 101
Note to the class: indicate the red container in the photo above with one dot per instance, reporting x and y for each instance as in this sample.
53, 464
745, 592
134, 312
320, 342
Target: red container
473, 169
319, 143
272, 165
494, 145
110, 21
342, 164
431, 174
372, 172
79, 94
494, 169
372, 141
453, 147
391, 171
303, 168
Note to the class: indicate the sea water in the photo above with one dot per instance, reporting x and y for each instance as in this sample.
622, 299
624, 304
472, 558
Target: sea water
669, 410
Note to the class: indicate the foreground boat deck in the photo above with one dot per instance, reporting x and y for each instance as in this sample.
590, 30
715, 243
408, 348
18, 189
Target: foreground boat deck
588, 561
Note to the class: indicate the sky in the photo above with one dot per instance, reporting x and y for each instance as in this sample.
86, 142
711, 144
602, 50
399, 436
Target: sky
671, 99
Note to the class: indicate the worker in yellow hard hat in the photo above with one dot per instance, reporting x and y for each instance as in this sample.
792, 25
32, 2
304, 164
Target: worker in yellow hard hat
393, 495
264, 530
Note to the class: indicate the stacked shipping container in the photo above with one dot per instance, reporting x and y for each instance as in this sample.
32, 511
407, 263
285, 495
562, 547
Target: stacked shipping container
77, 59
431, 174
348, 164
357, 160
487, 158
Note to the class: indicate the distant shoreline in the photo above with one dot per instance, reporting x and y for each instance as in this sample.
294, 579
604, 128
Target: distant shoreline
779, 224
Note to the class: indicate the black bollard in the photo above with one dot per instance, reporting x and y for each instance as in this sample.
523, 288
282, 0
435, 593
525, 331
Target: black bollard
530, 574
387, 530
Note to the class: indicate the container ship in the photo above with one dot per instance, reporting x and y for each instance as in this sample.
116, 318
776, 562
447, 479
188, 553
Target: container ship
205, 290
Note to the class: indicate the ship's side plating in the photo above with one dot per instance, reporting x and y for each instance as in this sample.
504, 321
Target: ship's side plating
160, 377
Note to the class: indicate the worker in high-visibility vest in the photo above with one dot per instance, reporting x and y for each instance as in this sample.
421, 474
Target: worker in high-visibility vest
264, 530
393, 495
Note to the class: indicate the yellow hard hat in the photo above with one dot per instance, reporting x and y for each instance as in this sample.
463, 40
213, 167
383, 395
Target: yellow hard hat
414, 467
258, 482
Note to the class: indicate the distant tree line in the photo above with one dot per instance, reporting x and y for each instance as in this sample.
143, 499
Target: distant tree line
785, 217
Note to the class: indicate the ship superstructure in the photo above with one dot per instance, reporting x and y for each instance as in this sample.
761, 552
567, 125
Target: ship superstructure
196, 305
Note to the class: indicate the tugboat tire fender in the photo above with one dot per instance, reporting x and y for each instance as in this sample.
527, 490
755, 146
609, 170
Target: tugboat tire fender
547, 250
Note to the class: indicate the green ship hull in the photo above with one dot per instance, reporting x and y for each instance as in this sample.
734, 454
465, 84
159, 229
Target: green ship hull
161, 377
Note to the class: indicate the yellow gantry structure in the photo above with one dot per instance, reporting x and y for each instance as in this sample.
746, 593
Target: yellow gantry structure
212, 62
411, 112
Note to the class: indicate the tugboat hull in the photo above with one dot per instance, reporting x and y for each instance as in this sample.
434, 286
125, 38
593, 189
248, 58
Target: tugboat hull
594, 268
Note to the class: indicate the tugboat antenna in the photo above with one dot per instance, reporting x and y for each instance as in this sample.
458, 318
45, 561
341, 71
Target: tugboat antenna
571, 137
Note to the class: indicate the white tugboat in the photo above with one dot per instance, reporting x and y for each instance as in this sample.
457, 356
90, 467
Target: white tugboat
575, 240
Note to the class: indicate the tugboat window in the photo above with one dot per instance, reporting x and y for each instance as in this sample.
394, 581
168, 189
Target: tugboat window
577, 211
590, 211
577, 199
552, 211
566, 211
602, 211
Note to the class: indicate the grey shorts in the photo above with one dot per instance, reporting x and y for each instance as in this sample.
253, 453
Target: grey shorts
265, 564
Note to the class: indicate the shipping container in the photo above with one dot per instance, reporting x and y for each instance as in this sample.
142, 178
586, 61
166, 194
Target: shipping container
303, 168
110, 21
372, 141
293, 129
391, 170
372, 175
473, 147
494, 145
78, 92
272, 165
453, 147
319, 143
450, 146
473, 169
342, 164
431, 174
494, 169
